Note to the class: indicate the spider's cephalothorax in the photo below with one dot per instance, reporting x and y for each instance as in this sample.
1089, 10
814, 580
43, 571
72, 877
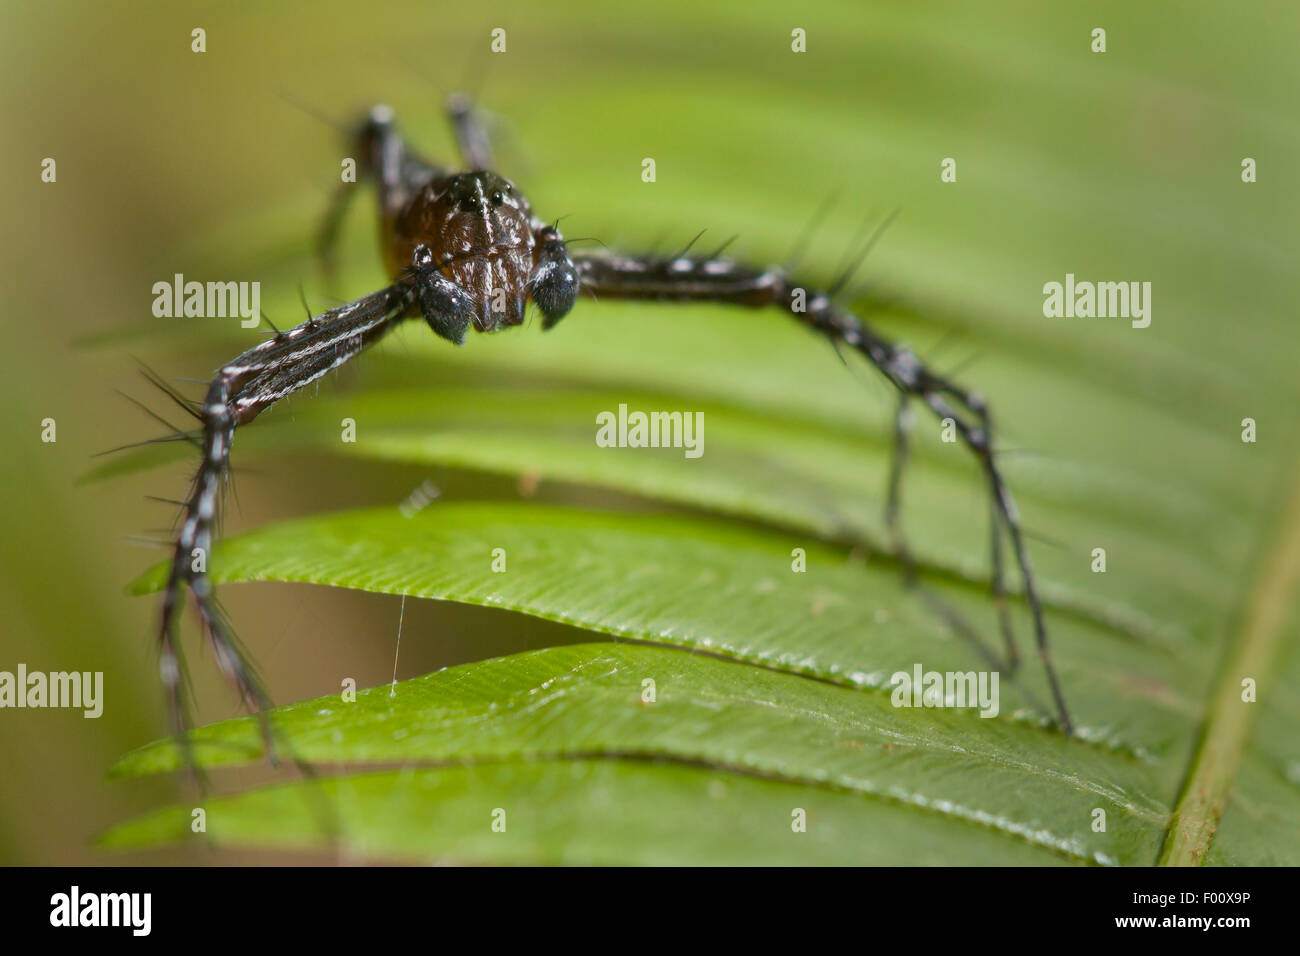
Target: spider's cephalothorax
469, 241
466, 249
479, 234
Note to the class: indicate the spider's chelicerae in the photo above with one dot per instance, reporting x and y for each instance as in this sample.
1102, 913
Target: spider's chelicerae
465, 249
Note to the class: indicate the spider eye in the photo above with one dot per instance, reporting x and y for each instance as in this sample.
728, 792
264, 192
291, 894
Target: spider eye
497, 198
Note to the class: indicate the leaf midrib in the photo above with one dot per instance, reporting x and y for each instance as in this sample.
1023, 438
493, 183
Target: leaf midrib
1253, 652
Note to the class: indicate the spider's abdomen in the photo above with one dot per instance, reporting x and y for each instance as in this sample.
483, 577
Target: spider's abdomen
478, 228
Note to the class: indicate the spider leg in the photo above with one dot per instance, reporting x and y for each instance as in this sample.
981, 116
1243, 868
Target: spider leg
721, 280
327, 236
239, 392
471, 134
903, 420
997, 580
894, 501
380, 152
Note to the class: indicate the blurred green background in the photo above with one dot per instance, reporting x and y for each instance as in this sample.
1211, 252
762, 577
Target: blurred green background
1117, 166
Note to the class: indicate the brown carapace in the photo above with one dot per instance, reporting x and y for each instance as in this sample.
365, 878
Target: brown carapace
479, 230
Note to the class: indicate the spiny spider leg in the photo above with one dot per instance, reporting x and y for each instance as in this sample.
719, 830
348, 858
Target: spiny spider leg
471, 134
893, 510
398, 175
894, 501
997, 580
238, 393
903, 420
718, 280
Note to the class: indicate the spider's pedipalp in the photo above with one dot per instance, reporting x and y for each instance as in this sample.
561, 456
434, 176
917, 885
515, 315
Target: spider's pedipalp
446, 307
554, 283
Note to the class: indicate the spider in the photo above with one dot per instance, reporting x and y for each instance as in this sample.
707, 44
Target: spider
465, 249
